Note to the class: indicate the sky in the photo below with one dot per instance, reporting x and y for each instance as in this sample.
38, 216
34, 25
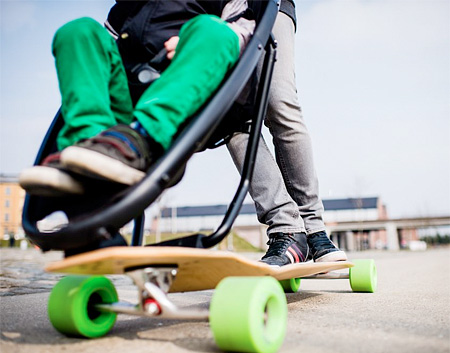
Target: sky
373, 79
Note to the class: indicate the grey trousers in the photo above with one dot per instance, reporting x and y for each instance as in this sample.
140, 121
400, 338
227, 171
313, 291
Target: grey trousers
285, 189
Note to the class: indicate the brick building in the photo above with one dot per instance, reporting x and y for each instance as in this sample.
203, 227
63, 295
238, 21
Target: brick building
12, 197
207, 218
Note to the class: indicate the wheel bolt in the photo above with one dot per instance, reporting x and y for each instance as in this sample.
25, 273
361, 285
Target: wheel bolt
152, 307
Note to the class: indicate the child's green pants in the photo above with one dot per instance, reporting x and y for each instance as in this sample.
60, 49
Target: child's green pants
94, 87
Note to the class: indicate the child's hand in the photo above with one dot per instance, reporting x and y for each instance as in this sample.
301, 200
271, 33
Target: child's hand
170, 46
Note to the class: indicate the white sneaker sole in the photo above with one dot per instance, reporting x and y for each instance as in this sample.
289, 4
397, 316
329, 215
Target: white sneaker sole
48, 181
333, 257
88, 162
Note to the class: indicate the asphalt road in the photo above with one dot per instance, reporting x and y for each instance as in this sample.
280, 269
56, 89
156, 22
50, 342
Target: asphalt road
409, 313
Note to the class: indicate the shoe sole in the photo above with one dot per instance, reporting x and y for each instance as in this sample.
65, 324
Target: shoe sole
48, 181
91, 163
333, 256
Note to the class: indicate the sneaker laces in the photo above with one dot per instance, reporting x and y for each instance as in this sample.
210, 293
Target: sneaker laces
278, 244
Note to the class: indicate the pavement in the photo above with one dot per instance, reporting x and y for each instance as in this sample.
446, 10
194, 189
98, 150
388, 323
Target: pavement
409, 313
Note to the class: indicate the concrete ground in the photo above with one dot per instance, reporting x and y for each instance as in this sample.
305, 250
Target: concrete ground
409, 313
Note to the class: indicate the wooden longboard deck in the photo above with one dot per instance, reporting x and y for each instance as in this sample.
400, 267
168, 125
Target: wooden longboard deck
198, 269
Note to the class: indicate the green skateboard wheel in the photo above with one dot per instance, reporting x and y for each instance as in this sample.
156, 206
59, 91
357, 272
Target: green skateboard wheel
363, 276
290, 285
249, 314
71, 306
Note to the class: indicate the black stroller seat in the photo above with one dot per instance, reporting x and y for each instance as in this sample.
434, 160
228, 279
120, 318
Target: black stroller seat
97, 217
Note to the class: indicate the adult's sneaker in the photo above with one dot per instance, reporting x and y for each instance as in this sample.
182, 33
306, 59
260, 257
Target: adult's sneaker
119, 154
50, 178
323, 249
286, 248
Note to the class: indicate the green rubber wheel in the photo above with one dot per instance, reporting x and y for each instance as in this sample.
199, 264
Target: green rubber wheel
249, 314
363, 276
290, 285
71, 306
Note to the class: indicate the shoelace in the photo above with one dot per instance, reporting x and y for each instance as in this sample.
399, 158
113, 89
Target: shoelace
278, 243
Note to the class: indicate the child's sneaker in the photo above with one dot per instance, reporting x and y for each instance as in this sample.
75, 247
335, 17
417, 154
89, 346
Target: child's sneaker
323, 249
119, 154
286, 248
50, 179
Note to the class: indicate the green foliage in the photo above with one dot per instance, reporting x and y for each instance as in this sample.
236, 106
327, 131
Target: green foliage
437, 240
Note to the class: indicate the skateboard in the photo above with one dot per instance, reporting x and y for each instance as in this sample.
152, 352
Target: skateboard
248, 309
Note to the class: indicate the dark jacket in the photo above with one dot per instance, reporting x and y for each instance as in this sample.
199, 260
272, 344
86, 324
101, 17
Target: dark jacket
142, 27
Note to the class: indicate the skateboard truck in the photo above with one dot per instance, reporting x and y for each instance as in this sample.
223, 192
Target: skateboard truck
153, 284
329, 275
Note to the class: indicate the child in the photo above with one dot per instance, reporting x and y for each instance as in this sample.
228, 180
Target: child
105, 135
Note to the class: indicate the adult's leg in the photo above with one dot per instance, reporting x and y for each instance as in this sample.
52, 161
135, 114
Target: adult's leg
273, 192
92, 81
274, 205
294, 158
293, 148
287, 239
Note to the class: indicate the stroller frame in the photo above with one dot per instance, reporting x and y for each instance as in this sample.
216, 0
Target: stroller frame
107, 216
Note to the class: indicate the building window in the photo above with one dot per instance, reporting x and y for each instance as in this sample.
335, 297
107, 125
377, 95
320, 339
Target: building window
6, 217
7, 203
8, 190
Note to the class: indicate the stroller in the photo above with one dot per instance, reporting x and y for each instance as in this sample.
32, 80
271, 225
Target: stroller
95, 218
248, 310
